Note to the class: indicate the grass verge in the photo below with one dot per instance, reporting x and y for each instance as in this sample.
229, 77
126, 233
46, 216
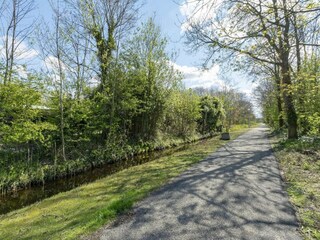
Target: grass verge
18, 173
83, 210
300, 163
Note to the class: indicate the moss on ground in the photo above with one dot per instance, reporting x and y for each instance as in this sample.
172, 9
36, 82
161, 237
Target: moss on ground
82, 210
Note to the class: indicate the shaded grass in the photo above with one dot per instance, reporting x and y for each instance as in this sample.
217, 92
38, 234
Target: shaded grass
85, 209
300, 162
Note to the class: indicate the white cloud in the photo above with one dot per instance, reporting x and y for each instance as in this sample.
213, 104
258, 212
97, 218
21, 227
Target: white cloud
207, 12
22, 72
52, 64
25, 53
248, 89
198, 11
22, 53
194, 77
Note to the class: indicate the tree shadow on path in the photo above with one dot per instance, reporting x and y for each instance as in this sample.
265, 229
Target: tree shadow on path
236, 193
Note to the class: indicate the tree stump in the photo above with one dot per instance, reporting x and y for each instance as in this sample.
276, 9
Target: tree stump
225, 136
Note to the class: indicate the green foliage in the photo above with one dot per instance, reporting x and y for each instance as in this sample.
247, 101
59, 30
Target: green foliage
307, 93
212, 115
182, 114
78, 120
52, 127
305, 90
20, 114
152, 77
266, 95
237, 109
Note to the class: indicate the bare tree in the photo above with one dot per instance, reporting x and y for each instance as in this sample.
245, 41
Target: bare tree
77, 53
15, 31
106, 21
1, 47
52, 53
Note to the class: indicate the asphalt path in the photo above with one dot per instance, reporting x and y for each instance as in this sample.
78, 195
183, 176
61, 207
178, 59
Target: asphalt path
235, 193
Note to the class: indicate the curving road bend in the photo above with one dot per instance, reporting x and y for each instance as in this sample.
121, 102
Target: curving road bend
235, 193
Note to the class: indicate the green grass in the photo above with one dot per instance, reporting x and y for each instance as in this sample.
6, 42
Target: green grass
300, 162
85, 209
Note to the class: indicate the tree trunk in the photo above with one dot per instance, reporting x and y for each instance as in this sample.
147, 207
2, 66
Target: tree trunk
288, 102
292, 117
61, 79
279, 100
279, 104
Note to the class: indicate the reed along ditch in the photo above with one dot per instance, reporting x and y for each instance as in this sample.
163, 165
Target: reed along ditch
22, 198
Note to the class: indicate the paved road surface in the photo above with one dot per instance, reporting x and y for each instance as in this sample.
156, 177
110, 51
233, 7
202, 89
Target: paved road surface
236, 193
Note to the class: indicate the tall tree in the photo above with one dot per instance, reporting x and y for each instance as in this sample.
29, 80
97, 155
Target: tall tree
182, 113
211, 115
153, 75
15, 31
252, 28
77, 53
263, 71
106, 21
52, 53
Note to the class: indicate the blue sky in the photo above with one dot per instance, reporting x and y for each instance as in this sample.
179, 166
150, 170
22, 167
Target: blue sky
168, 16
